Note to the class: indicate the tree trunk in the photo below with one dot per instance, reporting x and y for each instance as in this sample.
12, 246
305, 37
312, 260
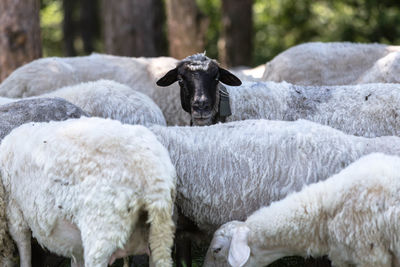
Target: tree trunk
187, 28
20, 40
133, 27
88, 23
235, 44
69, 29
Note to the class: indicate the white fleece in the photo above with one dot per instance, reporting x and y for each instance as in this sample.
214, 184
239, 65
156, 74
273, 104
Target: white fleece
368, 110
90, 189
48, 74
329, 64
352, 217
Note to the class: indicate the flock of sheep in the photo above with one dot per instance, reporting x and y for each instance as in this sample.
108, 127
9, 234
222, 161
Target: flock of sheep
97, 161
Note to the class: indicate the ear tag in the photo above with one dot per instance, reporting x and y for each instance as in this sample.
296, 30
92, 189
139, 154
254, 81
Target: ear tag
224, 106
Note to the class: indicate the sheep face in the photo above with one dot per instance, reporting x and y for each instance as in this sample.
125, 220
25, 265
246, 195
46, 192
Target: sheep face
233, 245
199, 78
229, 246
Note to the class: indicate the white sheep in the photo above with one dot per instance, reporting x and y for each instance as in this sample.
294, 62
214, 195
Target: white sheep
89, 189
226, 171
368, 110
13, 115
328, 64
352, 217
108, 99
249, 74
385, 70
48, 74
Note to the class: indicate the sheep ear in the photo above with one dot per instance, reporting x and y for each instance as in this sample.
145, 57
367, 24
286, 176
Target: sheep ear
228, 78
239, 251
169, 78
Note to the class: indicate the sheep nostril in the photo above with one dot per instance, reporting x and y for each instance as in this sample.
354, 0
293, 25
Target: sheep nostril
201, 105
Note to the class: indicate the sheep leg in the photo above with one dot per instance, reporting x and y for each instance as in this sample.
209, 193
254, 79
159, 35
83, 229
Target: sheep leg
102, 237
20, 232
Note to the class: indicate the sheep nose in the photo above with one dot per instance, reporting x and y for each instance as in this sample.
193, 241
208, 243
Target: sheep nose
200, 104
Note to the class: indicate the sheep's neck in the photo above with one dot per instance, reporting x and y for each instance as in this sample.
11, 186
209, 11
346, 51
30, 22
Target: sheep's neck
299, 230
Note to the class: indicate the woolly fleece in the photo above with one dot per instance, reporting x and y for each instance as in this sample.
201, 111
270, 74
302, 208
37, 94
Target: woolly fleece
48, 74
226, 171
89, 178
327, 63
368, 110
352, 217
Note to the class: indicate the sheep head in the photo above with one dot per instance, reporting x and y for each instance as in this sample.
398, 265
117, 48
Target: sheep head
198, 77
229, 246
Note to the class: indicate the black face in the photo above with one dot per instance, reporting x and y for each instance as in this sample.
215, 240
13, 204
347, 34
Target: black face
199, 89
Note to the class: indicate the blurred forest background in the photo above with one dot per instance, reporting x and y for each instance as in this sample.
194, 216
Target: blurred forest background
236, 32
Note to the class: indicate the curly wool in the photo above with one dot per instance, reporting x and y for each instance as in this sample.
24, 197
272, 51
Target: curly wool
328, 64
226, 171
11, 116
81, 185
48, 74
109, 99
368, 110
352, 217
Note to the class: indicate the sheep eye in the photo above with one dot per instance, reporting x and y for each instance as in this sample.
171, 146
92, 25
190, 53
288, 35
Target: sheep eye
180, 80
216, 250
217, 77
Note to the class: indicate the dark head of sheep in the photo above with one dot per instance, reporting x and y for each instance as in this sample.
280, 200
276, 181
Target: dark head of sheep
199, 78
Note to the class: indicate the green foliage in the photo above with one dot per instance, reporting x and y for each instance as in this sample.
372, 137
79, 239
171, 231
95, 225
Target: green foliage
280, 24
51, 27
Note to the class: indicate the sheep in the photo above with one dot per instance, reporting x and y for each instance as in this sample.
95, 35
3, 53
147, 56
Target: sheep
226, 171
13, 115
17, 113
249, 74
367, 110
385, 70
48, 74
328, 64
90, 189
352, 217
109, 99
201, 94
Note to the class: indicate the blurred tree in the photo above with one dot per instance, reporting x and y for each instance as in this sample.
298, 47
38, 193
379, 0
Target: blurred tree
88, 24
187, 28
133, 27
19, 34
69, 30
80, 17
235, 43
